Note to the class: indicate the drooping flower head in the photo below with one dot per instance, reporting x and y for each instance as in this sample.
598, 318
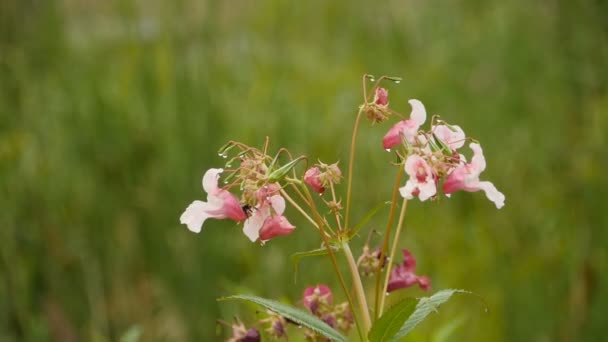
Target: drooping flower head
220, 204
466, 177
377, 111
422, 181
267, 220
407, 129
403, 276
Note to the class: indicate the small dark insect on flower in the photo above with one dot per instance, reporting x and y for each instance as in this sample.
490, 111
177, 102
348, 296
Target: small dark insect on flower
247, 209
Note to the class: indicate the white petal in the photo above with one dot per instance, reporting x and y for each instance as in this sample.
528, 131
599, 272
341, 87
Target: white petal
194, 216
278, 204
478, 161
254, 223
493, 194
418, 111
427, 190
406, 191
210, 180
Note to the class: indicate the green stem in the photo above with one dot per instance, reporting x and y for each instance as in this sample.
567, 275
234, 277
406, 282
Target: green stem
351, 162
387, 236
392, 256
334, 261
354, 270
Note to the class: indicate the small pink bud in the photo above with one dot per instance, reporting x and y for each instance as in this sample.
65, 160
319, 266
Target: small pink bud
381, 97
312, 178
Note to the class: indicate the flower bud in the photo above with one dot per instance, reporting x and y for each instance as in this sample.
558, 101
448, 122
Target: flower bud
381, 97
317, 298
313, 179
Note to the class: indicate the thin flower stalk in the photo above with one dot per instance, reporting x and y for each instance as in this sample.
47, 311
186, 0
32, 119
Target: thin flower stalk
387, 236
392, 255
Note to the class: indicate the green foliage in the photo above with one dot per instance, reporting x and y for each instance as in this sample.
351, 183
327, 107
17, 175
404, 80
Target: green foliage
298, 316
295, 257
424, 307
111, 111
392, 320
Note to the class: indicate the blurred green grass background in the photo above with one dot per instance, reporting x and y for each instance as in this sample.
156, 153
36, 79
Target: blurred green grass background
110, 111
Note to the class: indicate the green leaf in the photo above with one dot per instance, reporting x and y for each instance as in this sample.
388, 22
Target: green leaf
425, 306
295, 258
392, 320
367, 217
299, 316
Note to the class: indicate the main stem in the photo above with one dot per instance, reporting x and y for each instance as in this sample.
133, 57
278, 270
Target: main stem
392, 256
367, 322
334, 261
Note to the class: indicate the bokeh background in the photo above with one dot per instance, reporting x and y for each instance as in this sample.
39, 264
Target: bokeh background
110, 112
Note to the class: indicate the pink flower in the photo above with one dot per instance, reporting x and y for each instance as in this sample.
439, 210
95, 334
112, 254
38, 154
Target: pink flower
263, 225
406, 128
466, 177
312, 178
403, 276
315, 296
422, 182
220, 204
381, 97
453, 138
275, 226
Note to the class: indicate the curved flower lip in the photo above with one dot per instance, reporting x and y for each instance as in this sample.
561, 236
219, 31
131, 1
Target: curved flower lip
275, 226
408, 128
221, 204
403, 276
465, 177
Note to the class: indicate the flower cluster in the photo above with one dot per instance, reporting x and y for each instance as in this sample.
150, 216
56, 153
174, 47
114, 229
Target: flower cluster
256, 187
433, 156
261, 205
318, 300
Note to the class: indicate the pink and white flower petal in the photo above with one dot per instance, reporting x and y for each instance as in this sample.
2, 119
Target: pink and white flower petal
418, 114
254, 223
210, 180
493, 194
196, 214
453, 138
275, 226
